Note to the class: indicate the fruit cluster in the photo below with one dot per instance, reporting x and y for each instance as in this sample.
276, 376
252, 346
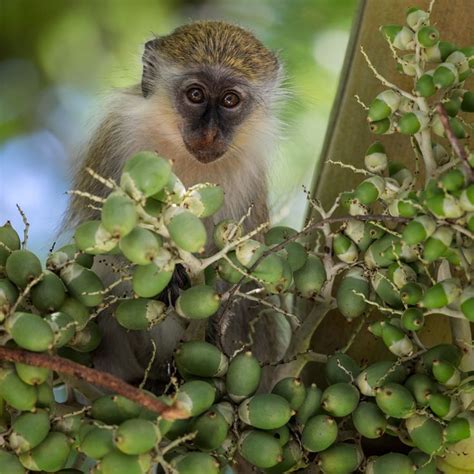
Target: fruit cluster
405, 252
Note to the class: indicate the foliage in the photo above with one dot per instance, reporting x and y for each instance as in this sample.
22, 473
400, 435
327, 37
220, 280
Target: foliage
403, 249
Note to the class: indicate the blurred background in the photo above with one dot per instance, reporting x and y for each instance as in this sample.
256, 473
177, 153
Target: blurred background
59, 58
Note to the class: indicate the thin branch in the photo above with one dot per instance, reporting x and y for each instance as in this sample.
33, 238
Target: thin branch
26, 224
95, 377
457, 147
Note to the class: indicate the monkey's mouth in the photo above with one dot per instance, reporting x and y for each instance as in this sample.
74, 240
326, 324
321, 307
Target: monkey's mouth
206, 154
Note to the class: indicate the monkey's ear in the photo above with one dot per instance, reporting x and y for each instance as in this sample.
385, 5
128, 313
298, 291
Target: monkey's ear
149, 66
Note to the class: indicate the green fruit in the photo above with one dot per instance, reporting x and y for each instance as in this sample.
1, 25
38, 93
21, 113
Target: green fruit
173, 191
202, 359
340, 458
380, 127
9, 242
113, 409
385, 289
295, 252
97, 442
340, 399
150, 280
63, 327
87, 339
140, 246
68, 254
444, 406
444, 206
238, 387
466, 302
375, 158
424, 464
211, 430
265, 411
92, 238
421, 387
412, 122
467, 104
459, 428
260, 449
8, 296
391, 463
15, 392
400, 36
440, 51
292, 454
426, 433
186, 230
310, 405
145, 173
400, 274
136, 436
411, 293
29, 430
466, 199
49, 294
445, 75
83, 284
383, 251
195, 463
350, 304
418, 230
32, 375
446, 373
379, 373
50, 455
341, 368
437, 244
225, 232
198, 302
441, 294
227, 271
319, 433
282, 434
345, 249
119, 214
427, 36
425, 85
22, 266
292, 390
416, 18
195, 397
395, 400
30, 331
412, 319
117, 462
461, 62
139, 314
396, 341
369, 421
383, 105
310, 278
204, 200
10, 464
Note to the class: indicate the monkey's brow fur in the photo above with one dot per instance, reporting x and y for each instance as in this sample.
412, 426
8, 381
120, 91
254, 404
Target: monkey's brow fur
216, 42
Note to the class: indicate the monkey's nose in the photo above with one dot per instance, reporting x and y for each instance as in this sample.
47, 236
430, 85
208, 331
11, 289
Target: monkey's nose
209, 136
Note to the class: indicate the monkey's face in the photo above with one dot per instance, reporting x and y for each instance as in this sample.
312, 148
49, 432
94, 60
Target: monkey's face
212, 106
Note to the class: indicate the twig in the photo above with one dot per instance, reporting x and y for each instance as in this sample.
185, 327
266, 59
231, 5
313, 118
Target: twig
384, 81
457, 147
95, 377
25, 292
26, 224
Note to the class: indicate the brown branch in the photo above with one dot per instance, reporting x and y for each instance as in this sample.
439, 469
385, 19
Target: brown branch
453, 140
275, 248
94, 377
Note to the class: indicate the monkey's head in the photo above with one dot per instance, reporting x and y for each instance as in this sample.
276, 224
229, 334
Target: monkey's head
213, 76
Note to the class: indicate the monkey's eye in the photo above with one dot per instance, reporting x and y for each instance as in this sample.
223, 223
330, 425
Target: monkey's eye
195, 95
230, 100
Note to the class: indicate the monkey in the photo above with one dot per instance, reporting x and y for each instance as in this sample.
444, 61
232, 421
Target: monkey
207, 101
